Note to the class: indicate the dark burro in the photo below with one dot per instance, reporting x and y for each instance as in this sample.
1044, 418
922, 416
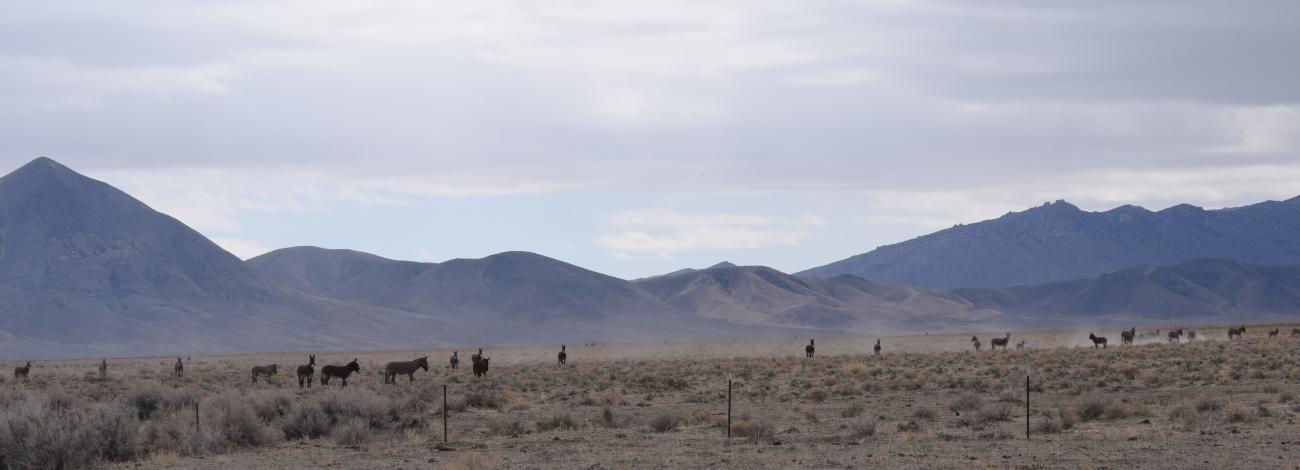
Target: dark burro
407, 368
341, 372
308, 372
264, 371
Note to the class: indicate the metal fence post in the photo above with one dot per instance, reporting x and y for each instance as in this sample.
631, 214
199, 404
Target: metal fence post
444, 412
728, 405
1026, 406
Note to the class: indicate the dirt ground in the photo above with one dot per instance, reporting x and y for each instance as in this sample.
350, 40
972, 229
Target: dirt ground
925, 402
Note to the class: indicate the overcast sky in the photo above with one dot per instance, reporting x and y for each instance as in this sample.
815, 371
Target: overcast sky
635, 138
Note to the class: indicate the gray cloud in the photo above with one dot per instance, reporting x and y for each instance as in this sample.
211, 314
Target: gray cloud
658, 96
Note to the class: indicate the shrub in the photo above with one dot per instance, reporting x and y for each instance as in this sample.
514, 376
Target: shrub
756, 432
818, 394
177, 434
305, 420
564, 421
344, 404
1208, 404
471, 461
995, 414
853, 411
1047, 425
483, 399
1091, 410
146, 400
910, 426
115, 428
923, 413
353, 433
607, 418
1239, 415
39, 433
863, 429
664, 422
965, 403
510, 428
237, 422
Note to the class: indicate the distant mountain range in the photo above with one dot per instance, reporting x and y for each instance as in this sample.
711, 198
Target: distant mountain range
1201, 290
87, 270
1058, 242
762, 295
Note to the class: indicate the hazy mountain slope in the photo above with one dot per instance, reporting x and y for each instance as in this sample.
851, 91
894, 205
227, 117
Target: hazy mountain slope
1057, 241
513, 285
507, 297
1200, 288
85, 268
757, 294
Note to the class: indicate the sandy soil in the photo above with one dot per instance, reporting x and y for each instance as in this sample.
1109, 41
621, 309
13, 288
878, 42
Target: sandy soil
927, 402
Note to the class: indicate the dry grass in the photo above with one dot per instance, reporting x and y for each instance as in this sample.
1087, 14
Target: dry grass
649, 406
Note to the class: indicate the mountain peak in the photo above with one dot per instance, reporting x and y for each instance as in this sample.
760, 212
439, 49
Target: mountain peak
724, 264
43, 168
1059, 205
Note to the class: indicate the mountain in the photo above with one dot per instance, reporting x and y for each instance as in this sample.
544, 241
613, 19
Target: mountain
1058, 242
762, 295
511, 296
511, 285
87, 269
723, 264
1202, 289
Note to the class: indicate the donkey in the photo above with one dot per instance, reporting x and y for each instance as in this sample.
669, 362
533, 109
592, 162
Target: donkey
455, 359
809, 350
563, 356
1000, 342
20, 372
1191, 335
1295, 332
180, 368
481, 366
1236, 332
976, 341
1097, 340
266, 371
1174, 335
476, 356
1126, 337
876, 348
103, 369
407, 368
341, 372
1272, 333
307, 373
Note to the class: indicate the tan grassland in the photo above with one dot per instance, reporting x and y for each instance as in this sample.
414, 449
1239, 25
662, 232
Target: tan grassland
926, 402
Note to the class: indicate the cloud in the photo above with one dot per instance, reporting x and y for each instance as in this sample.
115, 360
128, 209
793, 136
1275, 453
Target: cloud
1210, 187
660, 234
928, 112
669, 97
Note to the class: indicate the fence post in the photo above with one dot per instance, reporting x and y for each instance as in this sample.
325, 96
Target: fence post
197, 429
728, 405
444, 412
1026, 406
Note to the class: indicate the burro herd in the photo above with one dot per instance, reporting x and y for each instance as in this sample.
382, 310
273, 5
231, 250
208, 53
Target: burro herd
307, 373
